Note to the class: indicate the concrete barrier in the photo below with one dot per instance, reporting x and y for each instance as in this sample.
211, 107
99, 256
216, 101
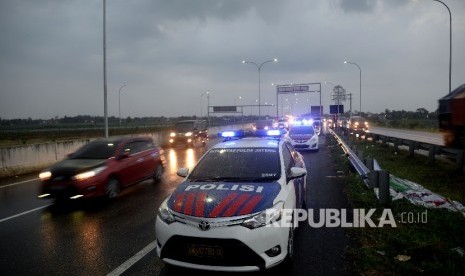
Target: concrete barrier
33, 158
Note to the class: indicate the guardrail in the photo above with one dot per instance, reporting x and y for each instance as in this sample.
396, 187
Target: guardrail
358, 165
378, 180
385, 185
431, 149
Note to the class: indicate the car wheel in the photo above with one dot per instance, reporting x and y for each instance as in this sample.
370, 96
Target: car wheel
157, 174
112, 189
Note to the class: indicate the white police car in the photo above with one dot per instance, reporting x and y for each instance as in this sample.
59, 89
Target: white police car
223, 216
303, 136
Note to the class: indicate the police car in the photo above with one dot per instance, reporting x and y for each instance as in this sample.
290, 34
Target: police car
225, 215
303, 135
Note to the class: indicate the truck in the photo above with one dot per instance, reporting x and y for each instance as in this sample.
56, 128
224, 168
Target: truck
451, 115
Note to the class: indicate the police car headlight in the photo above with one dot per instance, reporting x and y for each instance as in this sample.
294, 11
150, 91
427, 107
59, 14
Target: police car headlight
164, 213
188, 134
265, 217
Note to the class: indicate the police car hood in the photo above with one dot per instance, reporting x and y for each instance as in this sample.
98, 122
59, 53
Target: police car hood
223, 199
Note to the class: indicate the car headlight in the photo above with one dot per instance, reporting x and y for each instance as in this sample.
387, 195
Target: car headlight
265, 217
188, 134
172, 134
89, 174
164, 213
45, 175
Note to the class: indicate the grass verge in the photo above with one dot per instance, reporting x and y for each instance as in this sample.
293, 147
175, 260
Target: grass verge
424, 241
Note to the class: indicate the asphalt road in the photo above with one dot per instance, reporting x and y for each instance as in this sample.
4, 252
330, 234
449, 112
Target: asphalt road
96, 237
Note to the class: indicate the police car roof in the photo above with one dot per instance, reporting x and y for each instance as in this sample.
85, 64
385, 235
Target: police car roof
249, 142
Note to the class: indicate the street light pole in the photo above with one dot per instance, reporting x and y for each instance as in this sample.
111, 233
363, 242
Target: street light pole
105, 104
450, 44
119, 104
201, 103
360, 69
259, 67
208, 106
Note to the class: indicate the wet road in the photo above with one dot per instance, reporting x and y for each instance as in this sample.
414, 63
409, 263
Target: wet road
96, 237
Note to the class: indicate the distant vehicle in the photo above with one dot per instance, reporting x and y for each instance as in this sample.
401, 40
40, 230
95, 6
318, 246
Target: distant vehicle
283, 123
317, 125
452, 118
102, 168
330, 123
189, 132
341, 122
265, 124
221, 216
357, 126
303, 137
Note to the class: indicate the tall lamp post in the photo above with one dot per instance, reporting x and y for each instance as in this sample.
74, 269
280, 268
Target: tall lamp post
259, 67
119, 104
201, 102
450, 44
105, 104
360, 69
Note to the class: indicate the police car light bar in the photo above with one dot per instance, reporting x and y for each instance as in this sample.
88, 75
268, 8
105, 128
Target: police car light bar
232, 134
258, 133
226, 134
273, 132
303, 122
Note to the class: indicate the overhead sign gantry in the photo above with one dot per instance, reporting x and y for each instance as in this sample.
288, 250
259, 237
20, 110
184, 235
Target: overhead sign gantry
299, 89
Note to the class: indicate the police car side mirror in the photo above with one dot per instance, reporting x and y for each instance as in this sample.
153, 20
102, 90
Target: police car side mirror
183, 172
296, 172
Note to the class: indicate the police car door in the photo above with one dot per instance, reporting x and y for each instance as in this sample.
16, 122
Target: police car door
298, 185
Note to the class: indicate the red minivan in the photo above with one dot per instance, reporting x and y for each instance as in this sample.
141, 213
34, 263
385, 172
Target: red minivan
102, 168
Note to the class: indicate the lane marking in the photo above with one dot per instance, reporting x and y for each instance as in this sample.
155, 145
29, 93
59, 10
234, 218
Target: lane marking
134, 259
24, 213
18, 183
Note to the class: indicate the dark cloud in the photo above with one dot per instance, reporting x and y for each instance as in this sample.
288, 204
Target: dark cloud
168, 52
358, 5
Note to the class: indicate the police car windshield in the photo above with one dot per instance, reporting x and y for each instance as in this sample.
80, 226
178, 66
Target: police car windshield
302, 130
238, 164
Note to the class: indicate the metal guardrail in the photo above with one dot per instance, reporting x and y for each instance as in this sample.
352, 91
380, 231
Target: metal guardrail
373, 179
358, 164
412, 145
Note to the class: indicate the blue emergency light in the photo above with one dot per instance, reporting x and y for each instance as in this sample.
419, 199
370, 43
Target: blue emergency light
303, 122
237, 134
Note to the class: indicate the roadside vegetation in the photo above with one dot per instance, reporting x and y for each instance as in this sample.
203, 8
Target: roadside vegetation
16, 132
425, 241
420, 119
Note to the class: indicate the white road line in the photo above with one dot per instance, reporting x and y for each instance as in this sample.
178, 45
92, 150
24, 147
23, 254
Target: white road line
18, 183
134, 259
24, 213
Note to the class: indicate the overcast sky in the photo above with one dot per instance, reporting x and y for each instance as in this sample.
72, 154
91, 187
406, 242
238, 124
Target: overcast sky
169, 52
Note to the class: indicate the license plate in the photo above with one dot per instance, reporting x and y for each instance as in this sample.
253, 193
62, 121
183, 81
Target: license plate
205, 251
